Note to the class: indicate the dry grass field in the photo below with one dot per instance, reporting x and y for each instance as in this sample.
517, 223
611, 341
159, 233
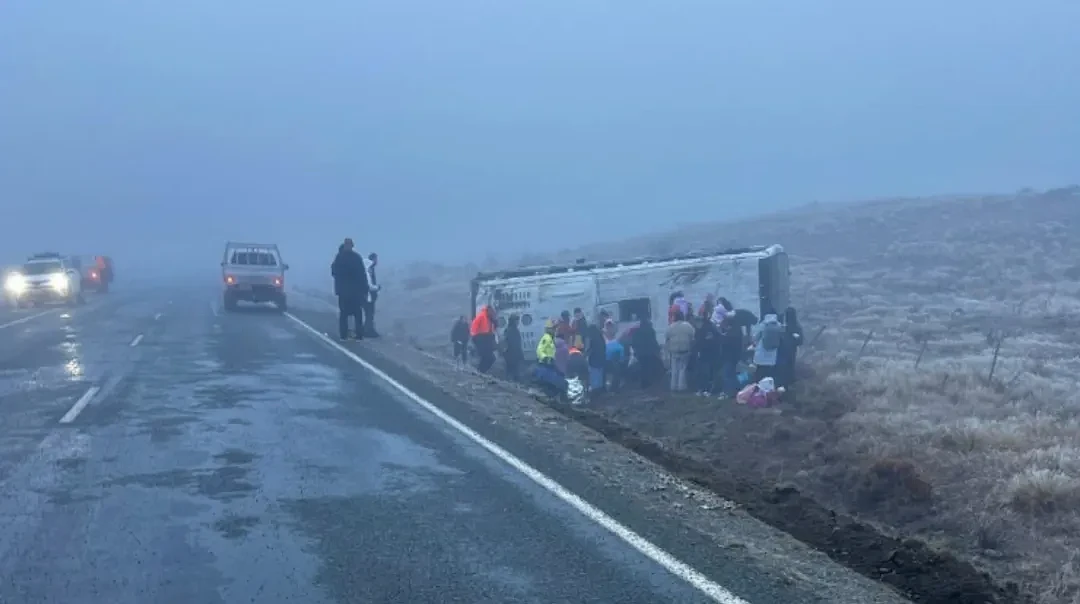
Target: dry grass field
939, 395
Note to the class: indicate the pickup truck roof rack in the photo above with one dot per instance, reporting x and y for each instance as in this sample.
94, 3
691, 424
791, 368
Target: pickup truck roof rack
269, 246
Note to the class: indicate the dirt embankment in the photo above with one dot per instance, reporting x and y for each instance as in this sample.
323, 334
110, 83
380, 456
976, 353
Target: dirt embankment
724, 454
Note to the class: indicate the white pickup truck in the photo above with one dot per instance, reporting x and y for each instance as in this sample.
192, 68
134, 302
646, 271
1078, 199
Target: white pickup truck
44, 278
253, 272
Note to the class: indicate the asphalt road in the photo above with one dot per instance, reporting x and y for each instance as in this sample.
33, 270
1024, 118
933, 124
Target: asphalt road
156, 449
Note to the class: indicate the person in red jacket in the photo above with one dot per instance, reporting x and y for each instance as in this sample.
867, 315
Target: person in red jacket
482, 332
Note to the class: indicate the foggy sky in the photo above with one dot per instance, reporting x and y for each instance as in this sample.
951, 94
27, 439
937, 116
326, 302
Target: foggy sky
164, 128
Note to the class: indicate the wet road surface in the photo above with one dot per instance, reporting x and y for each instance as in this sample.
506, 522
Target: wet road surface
234, 458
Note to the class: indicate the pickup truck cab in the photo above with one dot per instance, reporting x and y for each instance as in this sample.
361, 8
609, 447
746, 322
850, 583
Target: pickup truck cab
253, 272
45, 278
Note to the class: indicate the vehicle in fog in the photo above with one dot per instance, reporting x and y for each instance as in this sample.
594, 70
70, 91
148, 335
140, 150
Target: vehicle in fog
253, 272
96, 271
752, 278
44, 278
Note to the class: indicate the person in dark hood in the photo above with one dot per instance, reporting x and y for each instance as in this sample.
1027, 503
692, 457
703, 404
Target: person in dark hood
333, 268
789, 345
767, 336
513, 353
373, 295
647, 351
459, 337
706, 352
596, 351
732, 351
745, 321
351, 287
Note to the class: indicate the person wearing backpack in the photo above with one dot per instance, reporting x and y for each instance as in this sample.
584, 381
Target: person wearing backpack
767, 337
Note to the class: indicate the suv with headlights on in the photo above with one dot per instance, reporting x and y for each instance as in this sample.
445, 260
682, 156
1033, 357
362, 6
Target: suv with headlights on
45, 278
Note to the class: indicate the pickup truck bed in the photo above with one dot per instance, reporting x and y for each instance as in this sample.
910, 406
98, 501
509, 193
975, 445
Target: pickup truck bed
253, 272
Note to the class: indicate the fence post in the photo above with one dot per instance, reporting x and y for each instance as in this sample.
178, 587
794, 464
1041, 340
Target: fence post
993, 363
865, 342
922, 351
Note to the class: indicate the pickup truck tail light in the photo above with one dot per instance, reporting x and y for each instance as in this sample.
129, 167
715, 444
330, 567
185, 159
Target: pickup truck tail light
229, 280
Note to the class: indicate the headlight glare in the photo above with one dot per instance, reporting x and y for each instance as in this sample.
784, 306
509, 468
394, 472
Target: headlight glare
59, 282
15, 284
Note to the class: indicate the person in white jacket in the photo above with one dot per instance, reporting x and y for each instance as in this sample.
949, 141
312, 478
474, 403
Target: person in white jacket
767, 335
373, 294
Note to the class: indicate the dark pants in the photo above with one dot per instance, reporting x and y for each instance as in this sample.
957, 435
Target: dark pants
650, 368
785, 368
485, 347
550, 380
350, 306
705, 373
729, 376
513, 368
461, 351
613, 374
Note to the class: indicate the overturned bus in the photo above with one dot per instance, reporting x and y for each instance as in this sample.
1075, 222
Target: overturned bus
752, 278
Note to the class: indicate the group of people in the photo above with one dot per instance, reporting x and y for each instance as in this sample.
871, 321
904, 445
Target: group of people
357, 289
716, 349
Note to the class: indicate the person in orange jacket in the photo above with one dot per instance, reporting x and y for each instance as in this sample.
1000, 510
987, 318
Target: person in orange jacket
482, 332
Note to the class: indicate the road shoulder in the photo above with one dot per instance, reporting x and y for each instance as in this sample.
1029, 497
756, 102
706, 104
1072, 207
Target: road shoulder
705, 531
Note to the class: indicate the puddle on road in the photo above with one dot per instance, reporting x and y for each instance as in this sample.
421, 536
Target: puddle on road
225, 483
279, 333
316, 376
398, 451
343, 460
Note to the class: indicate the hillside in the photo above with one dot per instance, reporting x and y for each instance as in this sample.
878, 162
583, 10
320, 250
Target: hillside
940, 395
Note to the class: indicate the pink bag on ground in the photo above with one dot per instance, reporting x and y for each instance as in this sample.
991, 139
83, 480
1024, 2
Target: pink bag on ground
759, 398
743, 398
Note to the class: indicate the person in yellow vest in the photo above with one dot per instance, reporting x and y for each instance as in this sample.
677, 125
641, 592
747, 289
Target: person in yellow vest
545, 373
545, 348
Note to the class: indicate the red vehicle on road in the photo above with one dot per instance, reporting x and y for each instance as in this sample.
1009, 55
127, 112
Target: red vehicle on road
97, 273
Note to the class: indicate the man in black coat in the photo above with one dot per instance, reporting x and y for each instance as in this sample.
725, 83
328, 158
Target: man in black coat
351, 287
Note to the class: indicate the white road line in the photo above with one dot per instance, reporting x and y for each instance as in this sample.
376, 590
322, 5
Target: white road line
157, 316
79, 405
29, 318
680, 569
136, 341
